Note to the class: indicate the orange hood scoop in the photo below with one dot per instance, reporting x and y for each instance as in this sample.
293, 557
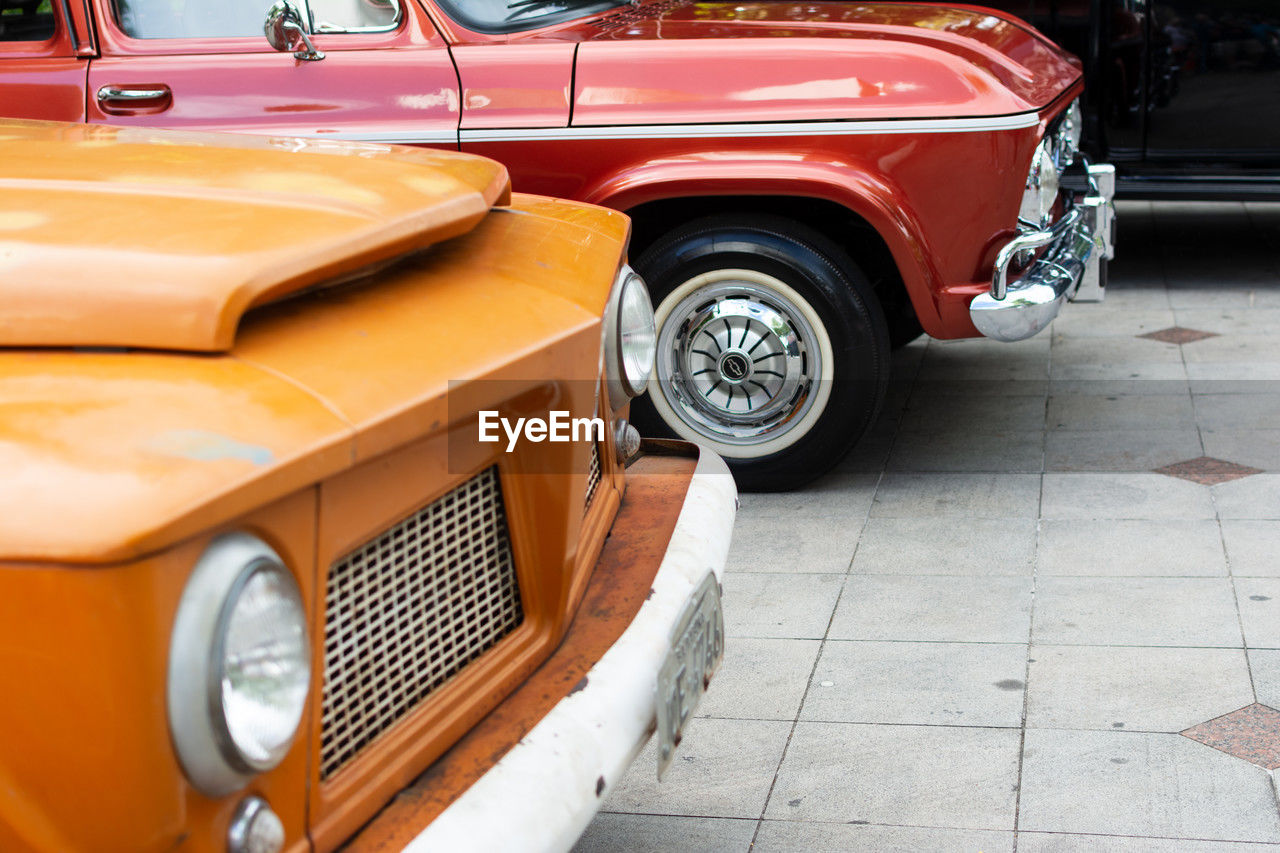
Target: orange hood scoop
110, 240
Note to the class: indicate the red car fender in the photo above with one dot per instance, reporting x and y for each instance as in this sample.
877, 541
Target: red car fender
883, 206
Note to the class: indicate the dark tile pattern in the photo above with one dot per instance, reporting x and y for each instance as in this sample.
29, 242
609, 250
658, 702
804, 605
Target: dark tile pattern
1252, 733
1208, 471
1178, 335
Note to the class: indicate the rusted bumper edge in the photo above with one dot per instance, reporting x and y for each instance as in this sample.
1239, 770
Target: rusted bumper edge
543, 792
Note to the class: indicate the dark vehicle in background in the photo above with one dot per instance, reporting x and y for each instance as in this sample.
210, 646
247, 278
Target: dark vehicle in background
1183, 98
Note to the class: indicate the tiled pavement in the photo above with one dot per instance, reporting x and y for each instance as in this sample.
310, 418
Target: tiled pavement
1018, 617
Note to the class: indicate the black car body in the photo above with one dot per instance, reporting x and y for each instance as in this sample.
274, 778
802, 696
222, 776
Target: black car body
1183, 98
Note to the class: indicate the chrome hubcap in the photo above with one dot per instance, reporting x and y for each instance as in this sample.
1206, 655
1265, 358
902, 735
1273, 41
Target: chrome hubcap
738, 361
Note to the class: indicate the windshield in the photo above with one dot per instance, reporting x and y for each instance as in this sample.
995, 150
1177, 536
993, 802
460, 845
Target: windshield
505, 16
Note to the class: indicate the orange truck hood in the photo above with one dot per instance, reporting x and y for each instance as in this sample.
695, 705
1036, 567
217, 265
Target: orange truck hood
112, 454
120, 237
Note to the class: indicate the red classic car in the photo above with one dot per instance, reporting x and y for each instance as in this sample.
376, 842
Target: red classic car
810, 184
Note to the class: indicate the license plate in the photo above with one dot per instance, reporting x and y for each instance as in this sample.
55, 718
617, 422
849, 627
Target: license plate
697, 646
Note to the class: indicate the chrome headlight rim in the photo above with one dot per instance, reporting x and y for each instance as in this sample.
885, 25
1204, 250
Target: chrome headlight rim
198, 725
629, 350
1067, 135
1041, 191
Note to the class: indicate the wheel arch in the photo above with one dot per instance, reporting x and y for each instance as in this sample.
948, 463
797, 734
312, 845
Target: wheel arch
870, 219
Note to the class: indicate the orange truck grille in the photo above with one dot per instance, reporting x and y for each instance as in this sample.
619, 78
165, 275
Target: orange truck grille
593, 473
410, 609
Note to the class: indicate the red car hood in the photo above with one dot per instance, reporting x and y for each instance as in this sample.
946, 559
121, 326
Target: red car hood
681, 62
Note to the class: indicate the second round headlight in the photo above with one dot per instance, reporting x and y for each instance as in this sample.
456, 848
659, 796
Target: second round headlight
630, 338
265, 666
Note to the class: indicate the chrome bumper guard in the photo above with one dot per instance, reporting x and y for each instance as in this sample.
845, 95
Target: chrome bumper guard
1072, 267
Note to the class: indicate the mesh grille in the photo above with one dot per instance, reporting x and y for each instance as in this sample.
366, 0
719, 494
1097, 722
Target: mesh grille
593, 474
409, 610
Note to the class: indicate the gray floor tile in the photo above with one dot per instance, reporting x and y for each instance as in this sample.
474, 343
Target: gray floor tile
1183, 298
1135, 611
1248, 321
1205, 376
1253, 547
1120, 370
1018, 452
779, 605
760, 679
1257, 448
627, 833
801, 544
1131, 548
940, 776
1087, 352
1247, 387
722, 768
964, 684
1259, 611
1120, 450
987, 360
1118, 783
1264, 664
845, 496
980, 387
1045, 842
1103, 320
1118, 412
934, 609
1238, 411
1136, 689
794, 837
1134, 295
1130, 387
1234, 347
922, 546
953, 413
1123, 495
903, 495
1249, 497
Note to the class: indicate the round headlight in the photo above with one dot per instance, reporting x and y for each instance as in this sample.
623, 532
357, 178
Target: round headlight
1042, 186
630, 338
265, 667
239, 665
1070, 132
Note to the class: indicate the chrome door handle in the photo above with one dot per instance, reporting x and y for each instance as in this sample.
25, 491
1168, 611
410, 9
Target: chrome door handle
117, 93
133, 99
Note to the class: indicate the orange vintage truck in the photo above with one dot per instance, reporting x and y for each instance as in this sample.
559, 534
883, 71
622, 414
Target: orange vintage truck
264, 583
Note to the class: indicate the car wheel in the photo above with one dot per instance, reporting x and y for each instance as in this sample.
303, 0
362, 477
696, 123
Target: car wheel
772, 348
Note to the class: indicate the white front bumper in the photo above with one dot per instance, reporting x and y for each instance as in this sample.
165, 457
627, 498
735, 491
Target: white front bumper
544, 792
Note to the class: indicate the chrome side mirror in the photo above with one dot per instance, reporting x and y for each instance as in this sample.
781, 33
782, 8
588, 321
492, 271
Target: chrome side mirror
285, 32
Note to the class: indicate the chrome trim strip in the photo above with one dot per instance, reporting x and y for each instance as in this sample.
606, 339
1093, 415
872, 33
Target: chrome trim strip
694, 131
747, 129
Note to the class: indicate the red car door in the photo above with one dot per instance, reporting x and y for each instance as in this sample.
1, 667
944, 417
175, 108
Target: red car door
385, 74
44, 50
